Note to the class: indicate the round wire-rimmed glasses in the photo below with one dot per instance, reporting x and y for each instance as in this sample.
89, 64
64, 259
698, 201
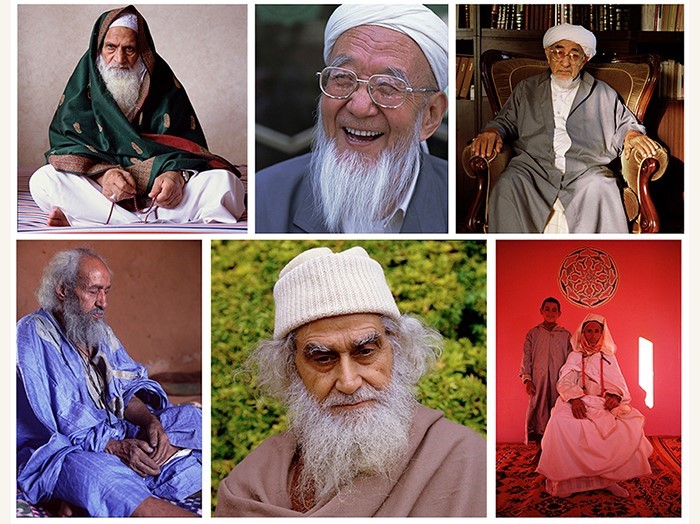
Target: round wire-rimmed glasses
385, 90
559, 55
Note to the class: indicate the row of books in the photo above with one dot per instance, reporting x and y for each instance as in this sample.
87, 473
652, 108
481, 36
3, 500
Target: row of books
596, 17
670, 84
465, 76
662, 17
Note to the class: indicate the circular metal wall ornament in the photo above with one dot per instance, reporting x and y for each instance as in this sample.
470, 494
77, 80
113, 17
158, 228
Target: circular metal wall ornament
588, 277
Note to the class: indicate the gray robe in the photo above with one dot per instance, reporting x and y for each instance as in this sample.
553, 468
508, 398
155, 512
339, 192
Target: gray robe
284, 200
544, 353
522, 198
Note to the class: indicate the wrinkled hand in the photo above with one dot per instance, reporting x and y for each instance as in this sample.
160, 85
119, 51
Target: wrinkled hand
578, 408
117, 184
641, 142
168, 189
611, 402
155, 435
530, 387
486, 142
135, 454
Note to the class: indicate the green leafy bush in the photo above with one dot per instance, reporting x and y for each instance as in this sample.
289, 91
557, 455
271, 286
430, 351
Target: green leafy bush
443, 282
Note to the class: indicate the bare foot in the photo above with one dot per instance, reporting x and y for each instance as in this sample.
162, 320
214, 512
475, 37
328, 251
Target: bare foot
57, 218
618, 490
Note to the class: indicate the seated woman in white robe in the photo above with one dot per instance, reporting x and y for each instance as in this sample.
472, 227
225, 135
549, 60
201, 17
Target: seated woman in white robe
594, 438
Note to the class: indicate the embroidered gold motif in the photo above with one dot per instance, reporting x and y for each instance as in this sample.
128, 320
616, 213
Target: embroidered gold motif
193, 124
136, 148
177, 84
99, 127
63, 99
76, 126
91, 148
166, 120
140, 118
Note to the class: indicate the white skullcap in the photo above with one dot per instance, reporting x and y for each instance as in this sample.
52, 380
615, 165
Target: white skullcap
126, 20
575, 33
416, 21
320, 284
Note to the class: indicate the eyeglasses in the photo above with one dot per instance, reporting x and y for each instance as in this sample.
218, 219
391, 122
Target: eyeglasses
558, 55
384, 90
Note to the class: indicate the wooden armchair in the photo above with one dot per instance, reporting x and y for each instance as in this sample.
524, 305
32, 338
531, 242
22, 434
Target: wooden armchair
634, 78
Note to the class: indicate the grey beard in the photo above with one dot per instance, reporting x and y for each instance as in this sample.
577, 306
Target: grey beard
337, 448
81, 328
356, 194
123, 85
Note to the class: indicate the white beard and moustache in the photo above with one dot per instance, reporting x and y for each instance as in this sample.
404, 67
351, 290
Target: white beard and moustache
81, 328
337, 448
355, 192
123, 84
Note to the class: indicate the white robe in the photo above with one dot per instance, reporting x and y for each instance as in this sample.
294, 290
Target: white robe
209, 196
601, 449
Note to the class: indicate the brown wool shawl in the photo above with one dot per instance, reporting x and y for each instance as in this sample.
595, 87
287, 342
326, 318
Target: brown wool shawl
442, 475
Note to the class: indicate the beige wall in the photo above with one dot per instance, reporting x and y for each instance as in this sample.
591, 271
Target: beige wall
155, 305
204, 45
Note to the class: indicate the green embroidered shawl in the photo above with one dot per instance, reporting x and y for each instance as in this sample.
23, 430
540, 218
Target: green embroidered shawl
89, 134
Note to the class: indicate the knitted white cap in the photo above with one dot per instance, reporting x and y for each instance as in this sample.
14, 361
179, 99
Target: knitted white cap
320, 284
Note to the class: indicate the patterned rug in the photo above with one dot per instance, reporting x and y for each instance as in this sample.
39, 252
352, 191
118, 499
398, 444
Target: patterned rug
26, 509
31, 219
520, 491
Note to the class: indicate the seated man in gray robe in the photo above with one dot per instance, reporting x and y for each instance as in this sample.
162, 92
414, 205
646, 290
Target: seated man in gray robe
382, 97
565, 127
94, 433
345, 362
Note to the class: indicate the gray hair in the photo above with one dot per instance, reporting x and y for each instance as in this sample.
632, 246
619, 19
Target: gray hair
62, 270
415, 343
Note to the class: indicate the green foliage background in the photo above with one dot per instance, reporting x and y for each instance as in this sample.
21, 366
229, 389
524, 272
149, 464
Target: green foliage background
443, 282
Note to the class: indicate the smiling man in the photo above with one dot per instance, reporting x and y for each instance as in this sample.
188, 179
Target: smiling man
94, 433
125, 143
382, 97
565, 127
345, 362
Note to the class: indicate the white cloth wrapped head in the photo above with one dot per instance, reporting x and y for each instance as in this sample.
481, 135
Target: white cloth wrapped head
416, 21
126, 20
575, 33
607, 344
321, 284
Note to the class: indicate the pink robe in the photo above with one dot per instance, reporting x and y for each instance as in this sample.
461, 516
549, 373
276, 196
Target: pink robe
442, 475
606, 446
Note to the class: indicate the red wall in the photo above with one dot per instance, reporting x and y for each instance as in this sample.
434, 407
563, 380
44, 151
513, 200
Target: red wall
647, 304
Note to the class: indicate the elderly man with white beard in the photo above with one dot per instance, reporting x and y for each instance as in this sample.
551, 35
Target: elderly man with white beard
125, 143
345, 362
382, 97
94, 433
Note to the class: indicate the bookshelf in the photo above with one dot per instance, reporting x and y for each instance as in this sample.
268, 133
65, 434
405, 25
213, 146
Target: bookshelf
626, 29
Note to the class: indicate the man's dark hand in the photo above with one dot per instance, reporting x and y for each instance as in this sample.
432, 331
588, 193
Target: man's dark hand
155, 435
530, 387
486, 142
135, 454
168, 189
578, 408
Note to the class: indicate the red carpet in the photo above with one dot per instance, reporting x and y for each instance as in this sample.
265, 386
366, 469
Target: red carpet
520, 491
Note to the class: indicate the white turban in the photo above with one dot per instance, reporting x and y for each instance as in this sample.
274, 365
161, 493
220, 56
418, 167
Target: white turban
416, 21
575, 33
126, 20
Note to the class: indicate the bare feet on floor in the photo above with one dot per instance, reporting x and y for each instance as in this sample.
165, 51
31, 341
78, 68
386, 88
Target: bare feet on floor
57, 218
618, 490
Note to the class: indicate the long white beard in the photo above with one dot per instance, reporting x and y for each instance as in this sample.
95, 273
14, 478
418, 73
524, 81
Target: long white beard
123, 84
337, 448
81, 328
356, 193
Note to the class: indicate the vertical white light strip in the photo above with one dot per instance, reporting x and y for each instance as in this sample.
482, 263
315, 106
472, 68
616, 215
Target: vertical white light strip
646, 370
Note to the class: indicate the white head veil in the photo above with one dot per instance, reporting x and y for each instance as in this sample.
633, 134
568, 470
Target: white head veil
608, 346
415, 21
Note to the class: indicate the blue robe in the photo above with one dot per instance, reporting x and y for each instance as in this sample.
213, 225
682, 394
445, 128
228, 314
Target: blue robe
65, 420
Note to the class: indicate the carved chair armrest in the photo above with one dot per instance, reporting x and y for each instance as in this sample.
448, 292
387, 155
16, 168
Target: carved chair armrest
638, 171
485, 171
